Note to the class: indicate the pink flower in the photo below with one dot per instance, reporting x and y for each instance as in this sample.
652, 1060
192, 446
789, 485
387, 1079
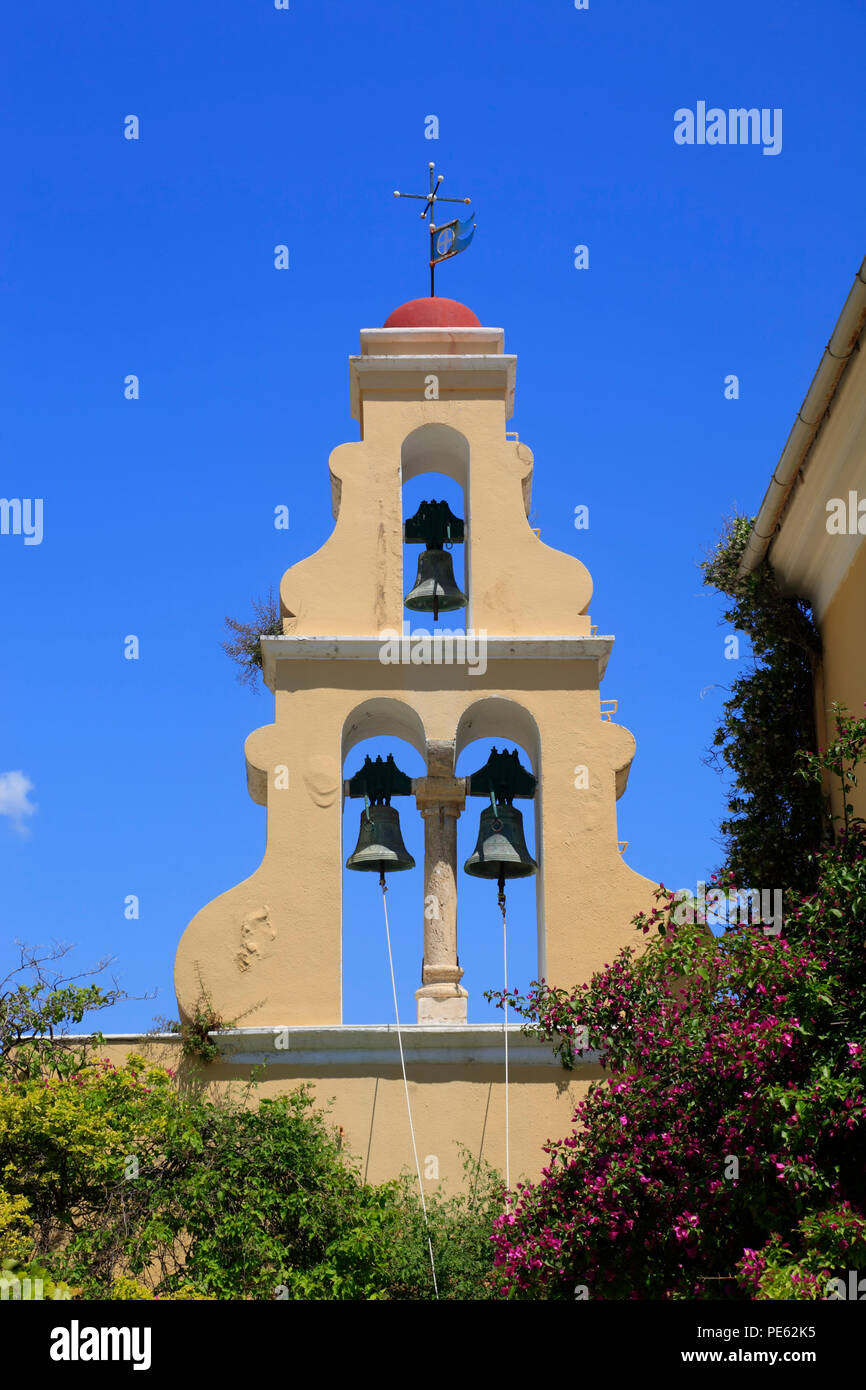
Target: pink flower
684, 1225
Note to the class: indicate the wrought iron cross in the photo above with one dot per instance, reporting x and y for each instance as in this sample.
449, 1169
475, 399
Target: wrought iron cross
430, 200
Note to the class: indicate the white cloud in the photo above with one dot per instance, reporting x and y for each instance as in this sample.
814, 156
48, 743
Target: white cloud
14, 791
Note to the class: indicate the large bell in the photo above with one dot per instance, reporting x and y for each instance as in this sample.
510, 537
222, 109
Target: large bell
435, 587
501, 849
380, 847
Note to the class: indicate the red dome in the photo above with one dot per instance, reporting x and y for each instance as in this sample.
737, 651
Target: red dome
432, 313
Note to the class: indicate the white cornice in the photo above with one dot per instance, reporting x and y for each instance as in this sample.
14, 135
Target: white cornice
390, 338
370, 649
481, 371
361, 1045
339, 1045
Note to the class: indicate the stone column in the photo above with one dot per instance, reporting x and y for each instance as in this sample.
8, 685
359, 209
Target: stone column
440, 798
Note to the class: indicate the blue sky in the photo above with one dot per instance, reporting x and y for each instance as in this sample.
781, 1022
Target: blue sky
155, 257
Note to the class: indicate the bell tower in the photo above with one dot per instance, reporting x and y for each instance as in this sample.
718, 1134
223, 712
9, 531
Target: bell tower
433, 391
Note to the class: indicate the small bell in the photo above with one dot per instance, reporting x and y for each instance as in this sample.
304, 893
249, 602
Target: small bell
501, 849
435, 588
380, 847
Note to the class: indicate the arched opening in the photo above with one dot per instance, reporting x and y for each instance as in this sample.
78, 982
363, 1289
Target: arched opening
376, 728
502, 723
435, 467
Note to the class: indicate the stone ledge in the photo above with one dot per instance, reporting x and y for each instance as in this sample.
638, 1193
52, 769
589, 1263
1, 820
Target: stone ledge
371, 1045
582, 647
376, 1045
490, 368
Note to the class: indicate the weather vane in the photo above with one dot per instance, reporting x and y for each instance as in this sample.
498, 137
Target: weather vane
450, 238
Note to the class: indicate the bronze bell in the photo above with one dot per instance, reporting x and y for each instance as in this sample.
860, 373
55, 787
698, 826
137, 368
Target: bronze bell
380, 847
435, 587
501, 849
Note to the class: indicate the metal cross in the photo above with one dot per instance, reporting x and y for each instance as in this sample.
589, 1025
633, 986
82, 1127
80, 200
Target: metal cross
430, 200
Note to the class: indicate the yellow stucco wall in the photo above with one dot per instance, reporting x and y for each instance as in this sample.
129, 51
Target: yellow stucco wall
843, 633
450, 1105
818, 549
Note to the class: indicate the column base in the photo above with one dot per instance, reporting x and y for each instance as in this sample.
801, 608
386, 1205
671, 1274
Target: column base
442, 1003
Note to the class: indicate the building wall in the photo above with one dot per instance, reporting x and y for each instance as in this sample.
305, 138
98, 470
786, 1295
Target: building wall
843, 633
824, 561
452, 1104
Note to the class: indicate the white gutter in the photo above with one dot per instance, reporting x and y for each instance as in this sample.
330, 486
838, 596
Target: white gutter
810, 417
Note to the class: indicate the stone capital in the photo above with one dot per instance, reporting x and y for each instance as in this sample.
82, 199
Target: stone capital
441, 974
431, 793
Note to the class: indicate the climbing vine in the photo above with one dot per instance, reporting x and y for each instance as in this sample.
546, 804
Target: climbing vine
776, 819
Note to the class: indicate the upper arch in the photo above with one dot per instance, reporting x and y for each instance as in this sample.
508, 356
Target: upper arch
497, 716
436, 448
383, 717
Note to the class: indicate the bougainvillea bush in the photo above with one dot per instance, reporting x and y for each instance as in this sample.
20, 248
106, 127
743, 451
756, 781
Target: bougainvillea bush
724, 1154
